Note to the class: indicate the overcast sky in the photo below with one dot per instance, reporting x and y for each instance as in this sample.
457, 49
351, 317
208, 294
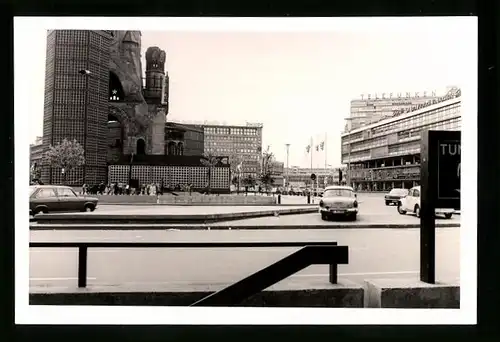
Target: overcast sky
298, 84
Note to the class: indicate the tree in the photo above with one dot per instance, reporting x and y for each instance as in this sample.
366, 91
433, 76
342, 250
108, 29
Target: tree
66, 156
210, 161
249, 181
266, 171
35, 173
234, 181
235, 161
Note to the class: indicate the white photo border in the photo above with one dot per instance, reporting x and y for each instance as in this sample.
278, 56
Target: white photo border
28, 28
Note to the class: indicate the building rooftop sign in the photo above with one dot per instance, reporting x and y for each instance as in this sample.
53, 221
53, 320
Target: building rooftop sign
399, 95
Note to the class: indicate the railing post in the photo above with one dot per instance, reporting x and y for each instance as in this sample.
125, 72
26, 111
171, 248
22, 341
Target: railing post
333, 273
82, 266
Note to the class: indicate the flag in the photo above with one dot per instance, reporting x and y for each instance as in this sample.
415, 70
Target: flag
308, 148
322, 145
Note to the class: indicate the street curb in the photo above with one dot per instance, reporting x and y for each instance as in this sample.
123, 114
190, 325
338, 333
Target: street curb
227, 227
158, 219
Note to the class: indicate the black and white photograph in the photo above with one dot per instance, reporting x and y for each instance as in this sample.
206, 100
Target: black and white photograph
246, 170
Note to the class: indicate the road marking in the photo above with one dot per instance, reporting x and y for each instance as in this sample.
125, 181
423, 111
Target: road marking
58, 279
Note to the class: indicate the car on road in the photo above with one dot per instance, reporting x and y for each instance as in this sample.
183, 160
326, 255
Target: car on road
411, 203
394, 196
58, 198
338, 201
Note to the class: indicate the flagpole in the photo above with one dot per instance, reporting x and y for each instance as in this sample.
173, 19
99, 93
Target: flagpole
312, 151
312, 148
325, 152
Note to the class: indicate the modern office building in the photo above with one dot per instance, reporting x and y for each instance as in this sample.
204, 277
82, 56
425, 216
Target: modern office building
371, 108
300, 178
36, 151
242, 143
76, 106
386, 154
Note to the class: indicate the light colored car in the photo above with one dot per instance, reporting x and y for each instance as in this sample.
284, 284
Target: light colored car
411, 203
394, 196
58, 198
338, 201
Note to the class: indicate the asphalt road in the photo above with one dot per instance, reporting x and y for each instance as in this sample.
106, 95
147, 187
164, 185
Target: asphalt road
372, 209
373, 253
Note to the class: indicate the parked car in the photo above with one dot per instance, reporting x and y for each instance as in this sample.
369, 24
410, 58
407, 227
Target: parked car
411, 203
58, 198
394, 196
338, 201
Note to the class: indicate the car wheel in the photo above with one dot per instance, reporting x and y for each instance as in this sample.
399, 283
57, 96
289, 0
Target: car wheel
447, 216
400, 209
387, 203
324, 217
353, 217
417, 211
89, 207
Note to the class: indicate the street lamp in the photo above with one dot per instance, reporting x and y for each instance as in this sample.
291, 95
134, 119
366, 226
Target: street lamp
287, 155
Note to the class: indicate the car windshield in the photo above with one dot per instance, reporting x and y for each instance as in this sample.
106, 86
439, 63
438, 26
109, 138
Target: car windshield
398, 192
338, 193
32, 190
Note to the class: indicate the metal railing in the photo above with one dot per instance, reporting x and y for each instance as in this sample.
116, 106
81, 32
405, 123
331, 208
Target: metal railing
311, 253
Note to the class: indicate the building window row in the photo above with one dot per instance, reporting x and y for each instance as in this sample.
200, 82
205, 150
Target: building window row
420, 119
230, 130
427, 123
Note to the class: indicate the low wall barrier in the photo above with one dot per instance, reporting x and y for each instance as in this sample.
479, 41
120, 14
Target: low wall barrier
186, 199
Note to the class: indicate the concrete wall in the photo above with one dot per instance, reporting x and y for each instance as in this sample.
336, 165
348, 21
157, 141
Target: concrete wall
408, 293
338, 298
385, 293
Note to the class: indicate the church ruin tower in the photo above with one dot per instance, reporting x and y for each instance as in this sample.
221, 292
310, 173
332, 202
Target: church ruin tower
156, 88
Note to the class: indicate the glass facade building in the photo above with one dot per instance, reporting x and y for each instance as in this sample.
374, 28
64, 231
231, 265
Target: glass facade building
76, 105
386, 154
240, 143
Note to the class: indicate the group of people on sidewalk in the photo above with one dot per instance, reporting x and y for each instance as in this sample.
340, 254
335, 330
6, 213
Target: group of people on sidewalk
120, 188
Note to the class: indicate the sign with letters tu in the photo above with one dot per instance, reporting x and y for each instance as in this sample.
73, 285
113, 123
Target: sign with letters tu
448, 169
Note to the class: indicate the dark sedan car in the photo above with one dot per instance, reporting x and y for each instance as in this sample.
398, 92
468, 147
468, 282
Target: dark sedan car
394, 196
58, 198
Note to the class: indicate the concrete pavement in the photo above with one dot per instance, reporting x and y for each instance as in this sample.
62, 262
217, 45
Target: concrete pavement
372, 253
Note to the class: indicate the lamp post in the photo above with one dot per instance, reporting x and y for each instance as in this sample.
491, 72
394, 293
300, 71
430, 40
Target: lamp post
286, 175
86, 73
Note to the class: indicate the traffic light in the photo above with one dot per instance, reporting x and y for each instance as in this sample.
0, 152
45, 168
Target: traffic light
340, 176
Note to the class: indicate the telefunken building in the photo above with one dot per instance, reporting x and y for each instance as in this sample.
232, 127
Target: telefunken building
95, 93
386, 154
